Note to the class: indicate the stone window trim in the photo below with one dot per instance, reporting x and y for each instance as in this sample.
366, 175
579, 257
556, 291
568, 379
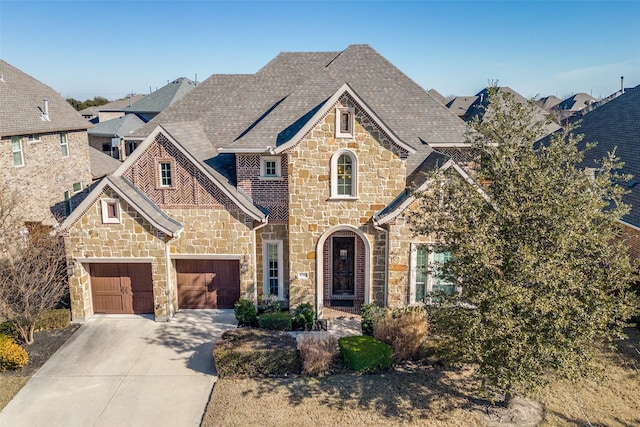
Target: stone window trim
110, 211
270, 168
267, 247
336, 193
17, 152
345, 122
427, 279
64, 144
160, 161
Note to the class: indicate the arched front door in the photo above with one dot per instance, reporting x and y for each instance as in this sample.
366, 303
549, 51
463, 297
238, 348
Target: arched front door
344, 271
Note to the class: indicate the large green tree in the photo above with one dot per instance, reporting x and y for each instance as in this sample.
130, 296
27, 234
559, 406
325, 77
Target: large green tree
535, 249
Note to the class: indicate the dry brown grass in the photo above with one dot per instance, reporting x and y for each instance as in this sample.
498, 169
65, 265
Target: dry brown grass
422, 395
318, 354
9, 386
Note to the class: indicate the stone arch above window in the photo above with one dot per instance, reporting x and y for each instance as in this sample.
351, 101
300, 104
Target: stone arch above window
344, 175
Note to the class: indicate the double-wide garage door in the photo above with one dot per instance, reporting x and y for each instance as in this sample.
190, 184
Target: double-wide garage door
207, 283
121, 288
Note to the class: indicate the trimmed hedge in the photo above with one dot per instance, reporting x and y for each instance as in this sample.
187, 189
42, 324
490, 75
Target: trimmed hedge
276, 321
365, 354
246, 313
53, 319
12, 356
255, 352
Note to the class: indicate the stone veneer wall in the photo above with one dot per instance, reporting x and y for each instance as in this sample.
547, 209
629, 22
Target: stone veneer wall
311, 214
216, 232
46, 175
133, 237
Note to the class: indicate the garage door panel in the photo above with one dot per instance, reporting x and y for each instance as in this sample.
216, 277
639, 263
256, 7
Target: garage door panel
119, 288
208, 283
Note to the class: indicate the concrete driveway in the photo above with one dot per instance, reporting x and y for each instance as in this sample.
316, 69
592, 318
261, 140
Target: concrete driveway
126, 370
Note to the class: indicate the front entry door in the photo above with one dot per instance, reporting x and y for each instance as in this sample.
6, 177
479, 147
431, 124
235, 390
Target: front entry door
343, 266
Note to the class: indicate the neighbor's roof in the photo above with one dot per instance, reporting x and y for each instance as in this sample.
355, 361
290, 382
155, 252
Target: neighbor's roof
102, 164
548, 102
116, 105
121, 126
437, 96
575, 103
265, 109
22, 106
460, 104
616, 126
162, 98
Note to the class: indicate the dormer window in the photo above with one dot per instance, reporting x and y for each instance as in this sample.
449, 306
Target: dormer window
344, 122
270, 167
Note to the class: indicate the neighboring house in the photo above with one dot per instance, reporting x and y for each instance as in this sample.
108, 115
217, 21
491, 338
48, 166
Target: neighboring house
460, 106
109, 136
548, 102
572, 105
43, 141
101, 164
615, 126
109, 111
437, 96
292, 181
152, 104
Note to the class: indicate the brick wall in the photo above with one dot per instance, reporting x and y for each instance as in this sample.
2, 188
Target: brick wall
270, 193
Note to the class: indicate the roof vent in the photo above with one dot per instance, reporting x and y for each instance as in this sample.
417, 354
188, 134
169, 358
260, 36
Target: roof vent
45, 112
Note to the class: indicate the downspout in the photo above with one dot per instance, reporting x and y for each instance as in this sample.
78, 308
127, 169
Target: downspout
265, 222
169, 281
386, 257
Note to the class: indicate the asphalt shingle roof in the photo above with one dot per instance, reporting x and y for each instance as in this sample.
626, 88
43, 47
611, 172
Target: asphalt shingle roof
162, 98
120, 126
22, 106
575, 103
616, 126
102, 164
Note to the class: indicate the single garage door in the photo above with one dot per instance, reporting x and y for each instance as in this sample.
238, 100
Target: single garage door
208, 283
121, 288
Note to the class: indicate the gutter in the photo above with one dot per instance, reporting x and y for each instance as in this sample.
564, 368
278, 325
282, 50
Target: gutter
386, 258
169, 281
265, 222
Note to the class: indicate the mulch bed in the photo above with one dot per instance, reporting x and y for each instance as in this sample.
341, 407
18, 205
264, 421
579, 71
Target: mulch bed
45, 344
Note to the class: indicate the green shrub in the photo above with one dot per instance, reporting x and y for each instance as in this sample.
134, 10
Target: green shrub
12, 356
365, 354
246, 313
53, 319
303, 316
255, 352
405, 329
7, 328
318, 354
370, 313
276, 321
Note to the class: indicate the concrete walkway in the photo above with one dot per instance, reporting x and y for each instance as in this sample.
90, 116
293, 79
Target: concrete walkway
126, 370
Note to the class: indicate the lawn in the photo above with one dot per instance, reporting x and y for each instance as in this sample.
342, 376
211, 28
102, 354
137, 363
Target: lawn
425, 395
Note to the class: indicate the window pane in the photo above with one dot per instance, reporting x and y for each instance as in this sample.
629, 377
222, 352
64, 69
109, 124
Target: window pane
270, 168
16, 148
272, 267
165, 174
77, 186
421, 274
438, 283
344, 175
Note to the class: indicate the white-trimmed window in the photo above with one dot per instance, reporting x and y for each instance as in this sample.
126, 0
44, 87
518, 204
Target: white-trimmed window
110, 211
77, 187
166, 176
34, 138
273, 268
270, 167
16, 149
344, 122
425, 278
64, 144
344, 175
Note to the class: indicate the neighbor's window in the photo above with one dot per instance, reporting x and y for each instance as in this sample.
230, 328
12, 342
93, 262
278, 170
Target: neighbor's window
344, 122
270, 167
67, 202
16, 149
77, 187
110, 211
344, 174
34, 138
166, 179
64, 145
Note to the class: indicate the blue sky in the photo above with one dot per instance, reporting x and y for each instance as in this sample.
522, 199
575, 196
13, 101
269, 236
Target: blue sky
110, 48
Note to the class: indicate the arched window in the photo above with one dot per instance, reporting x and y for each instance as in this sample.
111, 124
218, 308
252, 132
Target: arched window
344, 175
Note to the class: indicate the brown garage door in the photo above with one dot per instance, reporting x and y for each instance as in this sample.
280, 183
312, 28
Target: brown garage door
122, 288
208, 283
